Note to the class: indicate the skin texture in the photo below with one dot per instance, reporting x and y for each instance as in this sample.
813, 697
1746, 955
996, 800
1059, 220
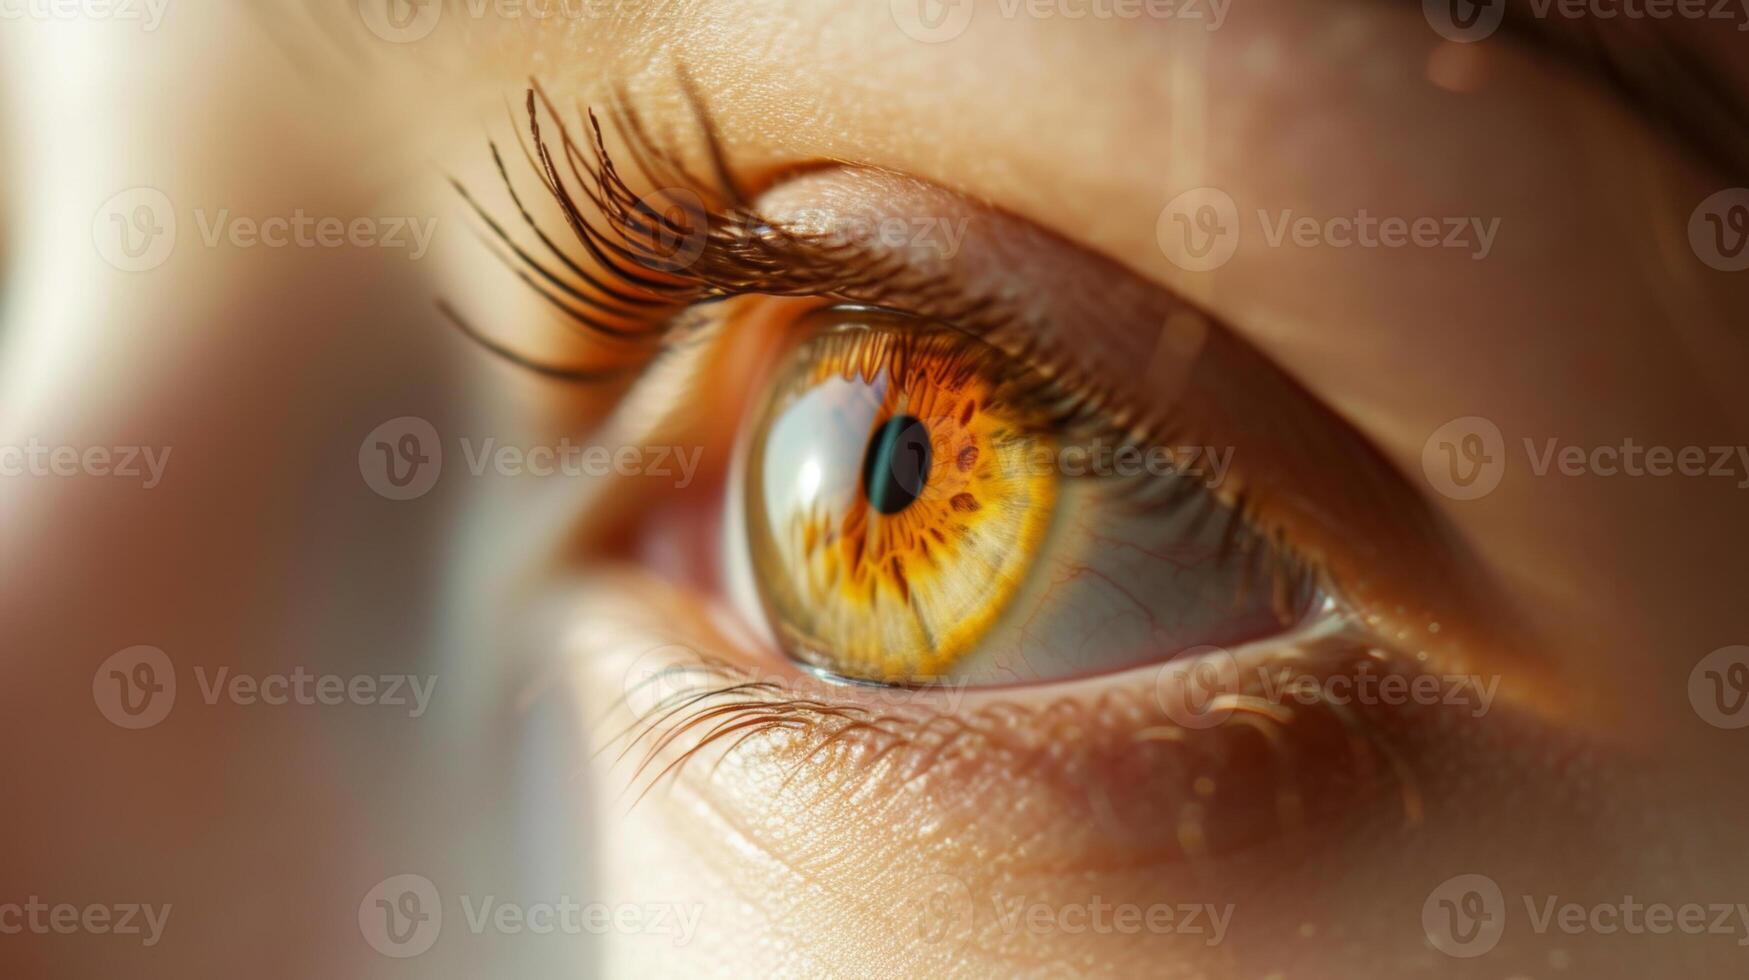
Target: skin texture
539, 604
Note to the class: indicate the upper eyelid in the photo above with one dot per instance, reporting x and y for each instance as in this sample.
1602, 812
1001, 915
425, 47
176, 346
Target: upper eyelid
787, 263
623, 288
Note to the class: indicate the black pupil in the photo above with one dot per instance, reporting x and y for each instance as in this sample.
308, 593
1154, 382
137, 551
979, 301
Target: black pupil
897, 464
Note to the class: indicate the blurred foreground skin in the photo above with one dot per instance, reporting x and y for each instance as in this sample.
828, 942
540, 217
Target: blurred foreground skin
277, 708
253, 820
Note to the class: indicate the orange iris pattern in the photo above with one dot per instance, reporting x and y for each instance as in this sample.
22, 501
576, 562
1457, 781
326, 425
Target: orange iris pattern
904, 595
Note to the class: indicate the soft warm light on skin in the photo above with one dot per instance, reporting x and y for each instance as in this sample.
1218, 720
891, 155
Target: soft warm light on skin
1592, 778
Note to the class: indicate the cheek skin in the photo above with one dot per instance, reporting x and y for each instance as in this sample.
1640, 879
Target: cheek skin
833, 857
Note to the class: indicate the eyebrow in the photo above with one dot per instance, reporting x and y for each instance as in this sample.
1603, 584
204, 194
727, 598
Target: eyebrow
1650, 66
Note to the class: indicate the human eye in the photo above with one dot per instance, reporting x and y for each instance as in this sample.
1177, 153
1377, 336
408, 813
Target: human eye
837, 656
930, 477
922, 507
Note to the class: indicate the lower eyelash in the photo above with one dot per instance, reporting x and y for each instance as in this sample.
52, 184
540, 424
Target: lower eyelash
1211, 805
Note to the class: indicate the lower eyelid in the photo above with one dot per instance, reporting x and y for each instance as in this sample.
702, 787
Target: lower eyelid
1102, 775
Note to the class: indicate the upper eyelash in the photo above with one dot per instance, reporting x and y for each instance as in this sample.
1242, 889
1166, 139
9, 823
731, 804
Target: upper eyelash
634, 293
742, 253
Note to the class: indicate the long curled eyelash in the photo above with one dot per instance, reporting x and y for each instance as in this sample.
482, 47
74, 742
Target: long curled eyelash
647, 257
1316, 756
638, 261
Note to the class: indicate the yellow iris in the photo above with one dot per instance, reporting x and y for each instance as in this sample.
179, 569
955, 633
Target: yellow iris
895, 497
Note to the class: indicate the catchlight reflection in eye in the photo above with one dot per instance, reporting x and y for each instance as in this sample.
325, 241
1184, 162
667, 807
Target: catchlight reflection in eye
906, 520
890, 504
